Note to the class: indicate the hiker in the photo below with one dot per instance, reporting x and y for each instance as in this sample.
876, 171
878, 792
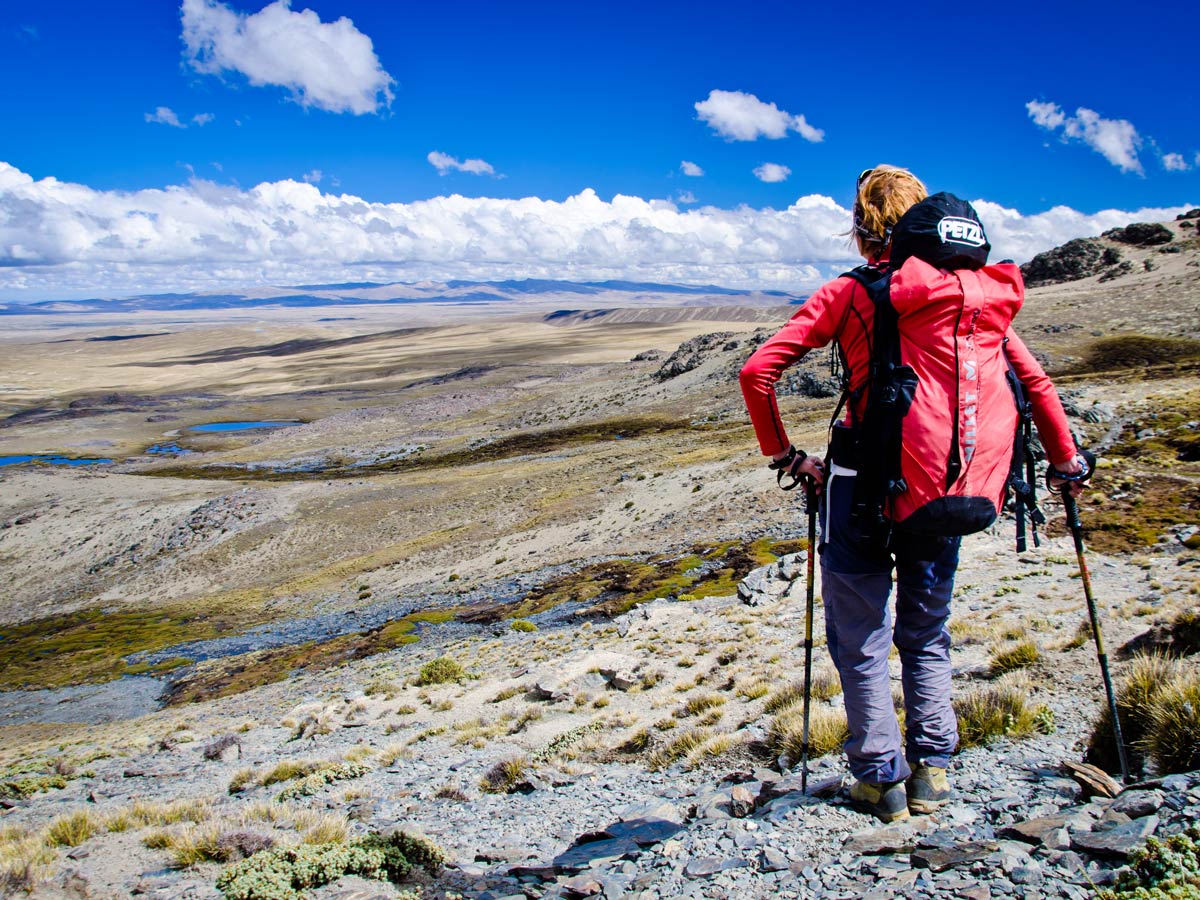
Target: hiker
891, 779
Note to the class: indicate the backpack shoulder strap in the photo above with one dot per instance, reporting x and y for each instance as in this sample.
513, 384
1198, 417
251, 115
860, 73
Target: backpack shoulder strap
875, 281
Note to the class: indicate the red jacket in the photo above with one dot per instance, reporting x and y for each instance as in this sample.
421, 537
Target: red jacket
841, 310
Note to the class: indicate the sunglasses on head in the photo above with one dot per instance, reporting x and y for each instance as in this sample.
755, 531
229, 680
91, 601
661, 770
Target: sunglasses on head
863, 176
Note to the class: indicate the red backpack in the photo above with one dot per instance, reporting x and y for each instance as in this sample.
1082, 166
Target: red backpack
946, 426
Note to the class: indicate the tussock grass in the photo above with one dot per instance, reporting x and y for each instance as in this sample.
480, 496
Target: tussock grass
754, 688
25, 859
1003, 709
1173, 741
188, 844
699, 704
1148, 673
72, 829
289, 769
1158, 701
504, 775
825, 685
638, 742
683, 746
827, 731
146, 813
1020, 655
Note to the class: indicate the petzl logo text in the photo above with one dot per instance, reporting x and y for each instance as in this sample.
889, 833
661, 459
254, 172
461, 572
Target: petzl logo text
961, 231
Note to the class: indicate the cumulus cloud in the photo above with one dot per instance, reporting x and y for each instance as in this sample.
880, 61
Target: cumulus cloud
202, 119
164, 115
313, 177
690, 169
1174, 162
685, 197
59, 239
1114, 139
329, 65
444, 163
772, 172
738, 116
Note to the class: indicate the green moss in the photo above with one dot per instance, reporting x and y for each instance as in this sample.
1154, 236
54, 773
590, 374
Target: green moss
232, 675
90, 646
618, 585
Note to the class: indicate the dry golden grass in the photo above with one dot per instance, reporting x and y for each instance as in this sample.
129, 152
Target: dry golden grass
1020, 655
1002, 709
827, 732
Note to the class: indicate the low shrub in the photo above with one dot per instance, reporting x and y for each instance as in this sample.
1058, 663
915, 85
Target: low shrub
523, 625
443, 670
1161, 870
287, 874
328, 774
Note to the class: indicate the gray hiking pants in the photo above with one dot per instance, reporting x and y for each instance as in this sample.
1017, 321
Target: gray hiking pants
856, 581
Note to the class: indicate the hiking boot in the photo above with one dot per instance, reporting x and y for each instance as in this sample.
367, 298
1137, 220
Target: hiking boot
885, 802
927, 789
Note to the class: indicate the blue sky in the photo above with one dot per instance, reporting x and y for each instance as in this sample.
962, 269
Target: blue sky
1065, 120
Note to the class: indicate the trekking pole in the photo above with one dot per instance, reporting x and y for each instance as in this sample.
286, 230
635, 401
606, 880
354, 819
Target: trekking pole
1077, 533
810, 501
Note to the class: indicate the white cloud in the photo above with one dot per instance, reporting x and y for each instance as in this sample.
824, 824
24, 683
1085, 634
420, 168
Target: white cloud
1114, 139
59, 239
685, 197
313, 177
202, 119
738, 116
329, 65
772, 172
164, 115
444, 163
690, 169
1174, 162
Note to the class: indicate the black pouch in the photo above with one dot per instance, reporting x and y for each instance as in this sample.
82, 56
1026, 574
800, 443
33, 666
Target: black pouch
843, 448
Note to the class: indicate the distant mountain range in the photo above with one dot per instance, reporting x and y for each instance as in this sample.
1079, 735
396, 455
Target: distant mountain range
615, 293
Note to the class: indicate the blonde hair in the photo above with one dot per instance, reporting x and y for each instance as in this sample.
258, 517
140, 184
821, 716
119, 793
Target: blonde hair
885, 193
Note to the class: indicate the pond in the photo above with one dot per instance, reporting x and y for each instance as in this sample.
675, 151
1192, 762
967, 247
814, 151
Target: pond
52, 459
222, 427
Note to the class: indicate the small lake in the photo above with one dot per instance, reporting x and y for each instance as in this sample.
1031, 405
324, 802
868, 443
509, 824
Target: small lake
52, 460
222, 427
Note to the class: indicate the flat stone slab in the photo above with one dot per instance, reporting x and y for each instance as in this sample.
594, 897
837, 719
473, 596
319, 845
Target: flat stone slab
586, 855
901, 838
938, 859
1039, 830
708, 866
1119, 841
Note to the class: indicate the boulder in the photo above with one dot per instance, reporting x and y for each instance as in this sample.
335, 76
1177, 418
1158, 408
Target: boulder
1141, 234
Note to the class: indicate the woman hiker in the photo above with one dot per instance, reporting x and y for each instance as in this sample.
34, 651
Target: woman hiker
891, 778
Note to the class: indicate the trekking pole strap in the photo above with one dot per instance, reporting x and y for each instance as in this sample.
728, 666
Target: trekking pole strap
784, 468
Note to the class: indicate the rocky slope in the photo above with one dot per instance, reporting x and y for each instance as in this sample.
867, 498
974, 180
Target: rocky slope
568, 516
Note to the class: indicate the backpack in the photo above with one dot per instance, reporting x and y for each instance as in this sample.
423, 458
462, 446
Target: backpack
946, 428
